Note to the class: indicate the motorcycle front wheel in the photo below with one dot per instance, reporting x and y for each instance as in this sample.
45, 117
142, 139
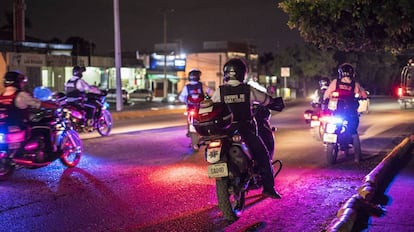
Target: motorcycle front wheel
6, 169
72, 149
331, 152
104, 124
230, 211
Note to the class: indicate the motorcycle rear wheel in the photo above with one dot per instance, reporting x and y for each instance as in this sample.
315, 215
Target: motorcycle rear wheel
194, 141
72, 149
104, 123
224, 203
332, 153
6, 169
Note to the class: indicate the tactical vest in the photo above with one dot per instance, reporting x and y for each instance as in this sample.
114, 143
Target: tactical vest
346, 95
195, 94
71, 90
238, 100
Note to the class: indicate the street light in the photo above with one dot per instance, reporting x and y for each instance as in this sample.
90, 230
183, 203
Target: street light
165, 50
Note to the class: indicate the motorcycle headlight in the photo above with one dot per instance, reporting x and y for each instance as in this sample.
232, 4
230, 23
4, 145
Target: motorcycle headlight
332, 124
2, 138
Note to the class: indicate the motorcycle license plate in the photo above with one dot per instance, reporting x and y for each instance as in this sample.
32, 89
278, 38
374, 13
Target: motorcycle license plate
217, 170
314, 123
330, 138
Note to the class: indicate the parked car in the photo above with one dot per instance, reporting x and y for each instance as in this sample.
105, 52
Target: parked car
141, 94
111, 96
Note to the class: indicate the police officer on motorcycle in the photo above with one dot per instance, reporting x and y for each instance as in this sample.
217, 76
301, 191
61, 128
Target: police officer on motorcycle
76, 88
193, 92
347, 89
317, 101
15, 102
239, 97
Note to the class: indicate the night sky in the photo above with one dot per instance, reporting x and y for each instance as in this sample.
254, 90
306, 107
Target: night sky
259, 22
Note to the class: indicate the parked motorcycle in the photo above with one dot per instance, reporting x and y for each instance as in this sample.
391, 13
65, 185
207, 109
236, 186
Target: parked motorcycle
102, 121
337, 136
46, 137
231, 162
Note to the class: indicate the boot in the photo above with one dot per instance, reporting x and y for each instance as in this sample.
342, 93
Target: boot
268, 186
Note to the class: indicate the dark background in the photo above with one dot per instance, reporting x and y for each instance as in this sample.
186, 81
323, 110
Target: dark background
260, 22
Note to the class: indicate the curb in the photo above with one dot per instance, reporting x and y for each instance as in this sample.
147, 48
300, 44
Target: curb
375, 184
140, 113
145, 113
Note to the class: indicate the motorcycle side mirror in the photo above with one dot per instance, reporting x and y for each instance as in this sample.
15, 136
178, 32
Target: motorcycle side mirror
42, 93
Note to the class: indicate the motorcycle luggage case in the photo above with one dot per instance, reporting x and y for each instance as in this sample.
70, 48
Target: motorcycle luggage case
212, 118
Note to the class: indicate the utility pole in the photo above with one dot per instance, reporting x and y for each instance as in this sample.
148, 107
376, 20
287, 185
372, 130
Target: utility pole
19, 7
117, 57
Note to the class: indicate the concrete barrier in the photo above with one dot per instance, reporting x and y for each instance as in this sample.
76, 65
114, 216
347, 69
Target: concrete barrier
375, 183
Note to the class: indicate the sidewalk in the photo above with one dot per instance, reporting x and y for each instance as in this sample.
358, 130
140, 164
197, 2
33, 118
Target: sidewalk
400, 209
384, 202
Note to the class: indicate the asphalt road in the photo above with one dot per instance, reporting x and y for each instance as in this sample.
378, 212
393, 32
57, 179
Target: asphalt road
142, 179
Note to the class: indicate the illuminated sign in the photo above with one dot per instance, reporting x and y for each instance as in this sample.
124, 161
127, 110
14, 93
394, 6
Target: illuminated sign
170, 62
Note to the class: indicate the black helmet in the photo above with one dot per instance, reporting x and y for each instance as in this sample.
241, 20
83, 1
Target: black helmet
346, 70
14, 78
194, 75
235, 69
77, 71
324, 82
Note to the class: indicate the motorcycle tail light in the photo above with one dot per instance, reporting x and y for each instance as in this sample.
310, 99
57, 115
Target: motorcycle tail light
335, 94
216, 143
307, 116
236, 138
315, 117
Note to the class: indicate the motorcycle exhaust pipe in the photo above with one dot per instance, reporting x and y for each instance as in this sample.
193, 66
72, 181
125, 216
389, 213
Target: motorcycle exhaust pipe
25, 162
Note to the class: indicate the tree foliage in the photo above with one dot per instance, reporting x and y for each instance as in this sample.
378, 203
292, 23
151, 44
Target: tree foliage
353, 25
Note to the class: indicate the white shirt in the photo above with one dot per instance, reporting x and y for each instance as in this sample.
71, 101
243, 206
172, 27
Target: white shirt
83, 86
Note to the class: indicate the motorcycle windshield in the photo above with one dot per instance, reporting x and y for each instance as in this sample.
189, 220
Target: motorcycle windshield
42, 93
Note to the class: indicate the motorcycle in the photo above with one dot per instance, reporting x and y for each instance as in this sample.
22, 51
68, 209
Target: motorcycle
193, 104
102, 119
231, 162
191, 131
317, 121
46, 137
337, 136
315, 117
